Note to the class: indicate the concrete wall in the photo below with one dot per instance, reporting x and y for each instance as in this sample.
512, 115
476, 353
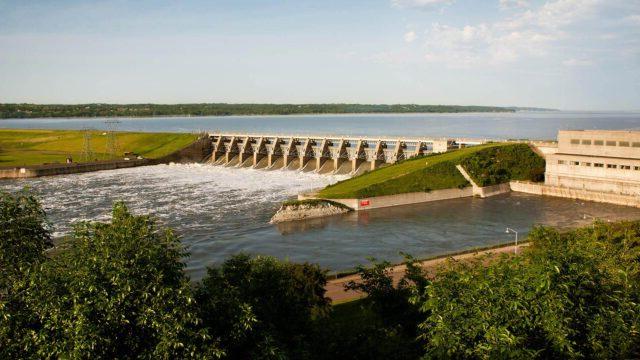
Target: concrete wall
547, 190
405, 199
493, 190
595, 173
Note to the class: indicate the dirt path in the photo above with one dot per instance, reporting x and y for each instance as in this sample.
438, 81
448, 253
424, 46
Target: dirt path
335, 288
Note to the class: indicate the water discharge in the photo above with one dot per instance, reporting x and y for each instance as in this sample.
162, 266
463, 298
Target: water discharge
219, 211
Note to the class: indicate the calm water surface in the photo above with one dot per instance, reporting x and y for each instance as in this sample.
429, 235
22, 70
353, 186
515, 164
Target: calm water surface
222, 211
530, 125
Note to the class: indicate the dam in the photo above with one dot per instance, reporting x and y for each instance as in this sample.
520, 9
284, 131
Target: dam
324, 154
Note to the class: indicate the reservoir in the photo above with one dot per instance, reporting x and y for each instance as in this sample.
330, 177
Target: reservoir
518, 125
220, 211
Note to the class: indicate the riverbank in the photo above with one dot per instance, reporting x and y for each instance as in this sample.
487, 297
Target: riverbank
336, 291
26, 147
196, 150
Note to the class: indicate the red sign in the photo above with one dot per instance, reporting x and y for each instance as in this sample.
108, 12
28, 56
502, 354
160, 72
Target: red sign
364, 202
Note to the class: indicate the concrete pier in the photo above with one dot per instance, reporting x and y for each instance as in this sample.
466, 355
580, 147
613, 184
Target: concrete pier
324, 154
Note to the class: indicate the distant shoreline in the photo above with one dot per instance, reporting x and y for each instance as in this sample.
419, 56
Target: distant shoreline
291, 115
35, 111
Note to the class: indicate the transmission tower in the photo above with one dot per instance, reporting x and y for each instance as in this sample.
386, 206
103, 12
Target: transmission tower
112, 141
87, 150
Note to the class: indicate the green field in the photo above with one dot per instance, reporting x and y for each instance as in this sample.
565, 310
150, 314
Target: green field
425, 173
33, 147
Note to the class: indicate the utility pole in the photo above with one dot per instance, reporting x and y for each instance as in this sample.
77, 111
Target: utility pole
87, 151
112, 141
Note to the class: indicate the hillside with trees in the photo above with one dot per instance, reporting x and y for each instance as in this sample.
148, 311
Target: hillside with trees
20, 111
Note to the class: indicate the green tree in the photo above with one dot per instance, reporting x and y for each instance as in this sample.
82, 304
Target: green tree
573, 295
24, 236
261, 307
116, 290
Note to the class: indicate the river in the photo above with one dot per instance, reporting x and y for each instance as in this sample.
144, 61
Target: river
518, 125
220, 211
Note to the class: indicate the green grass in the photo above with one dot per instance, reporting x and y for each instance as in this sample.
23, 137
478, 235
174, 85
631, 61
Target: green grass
32, 147
501, 164
425, 173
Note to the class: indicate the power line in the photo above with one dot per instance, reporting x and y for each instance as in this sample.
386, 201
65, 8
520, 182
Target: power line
112, 141
87, 150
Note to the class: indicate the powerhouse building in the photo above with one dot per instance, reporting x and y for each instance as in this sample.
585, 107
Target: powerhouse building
597, 160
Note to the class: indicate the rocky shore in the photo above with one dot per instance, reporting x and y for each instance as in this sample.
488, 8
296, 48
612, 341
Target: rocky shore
307, 209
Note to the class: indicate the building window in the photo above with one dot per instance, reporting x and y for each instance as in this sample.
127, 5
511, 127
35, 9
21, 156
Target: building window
575, 141
598, 165
623, 143
598, 142
636, 168
612, 166
625, 167
586, 164
611, 143
561, 162
575, 163
586, 142
636, 144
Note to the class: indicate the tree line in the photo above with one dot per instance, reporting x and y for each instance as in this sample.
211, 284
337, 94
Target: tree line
119, 290
221, 109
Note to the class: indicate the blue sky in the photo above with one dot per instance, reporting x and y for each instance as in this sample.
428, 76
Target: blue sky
567, 54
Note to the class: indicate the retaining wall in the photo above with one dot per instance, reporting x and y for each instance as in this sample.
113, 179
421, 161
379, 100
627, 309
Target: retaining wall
549, 190
404, 199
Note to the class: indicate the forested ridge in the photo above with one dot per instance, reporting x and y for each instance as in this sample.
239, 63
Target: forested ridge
8, 111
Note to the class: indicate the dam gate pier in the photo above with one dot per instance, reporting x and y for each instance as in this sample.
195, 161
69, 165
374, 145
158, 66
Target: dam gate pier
326, 155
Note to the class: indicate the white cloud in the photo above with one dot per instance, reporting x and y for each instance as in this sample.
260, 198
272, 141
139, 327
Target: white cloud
421, 4
509, 4
577, 62
410, 37
529, 32
633, 19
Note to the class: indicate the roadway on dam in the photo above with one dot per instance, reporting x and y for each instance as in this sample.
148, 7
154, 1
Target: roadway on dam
220, 211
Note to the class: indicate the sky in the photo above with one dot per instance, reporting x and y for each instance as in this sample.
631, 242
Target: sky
564, 54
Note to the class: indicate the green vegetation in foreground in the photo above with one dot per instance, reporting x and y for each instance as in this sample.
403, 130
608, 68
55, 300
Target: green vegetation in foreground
33, 147
425, 173
314, 202
220, 109
500, 164
119, 290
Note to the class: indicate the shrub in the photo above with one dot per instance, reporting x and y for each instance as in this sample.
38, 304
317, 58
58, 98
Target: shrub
573, 295
495, 165
261, 307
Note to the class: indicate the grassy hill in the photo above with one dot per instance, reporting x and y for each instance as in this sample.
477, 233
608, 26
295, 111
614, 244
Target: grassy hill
32, 147
438, 171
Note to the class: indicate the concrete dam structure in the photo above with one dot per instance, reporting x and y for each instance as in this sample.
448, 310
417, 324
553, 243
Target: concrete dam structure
325, 155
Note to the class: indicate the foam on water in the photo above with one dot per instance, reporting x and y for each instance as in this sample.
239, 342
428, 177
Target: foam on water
174, 193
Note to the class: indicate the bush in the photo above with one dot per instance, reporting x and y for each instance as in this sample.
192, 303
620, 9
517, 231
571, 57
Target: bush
261, 307
573, 295
114, 290
496, 165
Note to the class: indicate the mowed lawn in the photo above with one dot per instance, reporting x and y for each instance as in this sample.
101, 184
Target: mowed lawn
32, 147
426, 173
